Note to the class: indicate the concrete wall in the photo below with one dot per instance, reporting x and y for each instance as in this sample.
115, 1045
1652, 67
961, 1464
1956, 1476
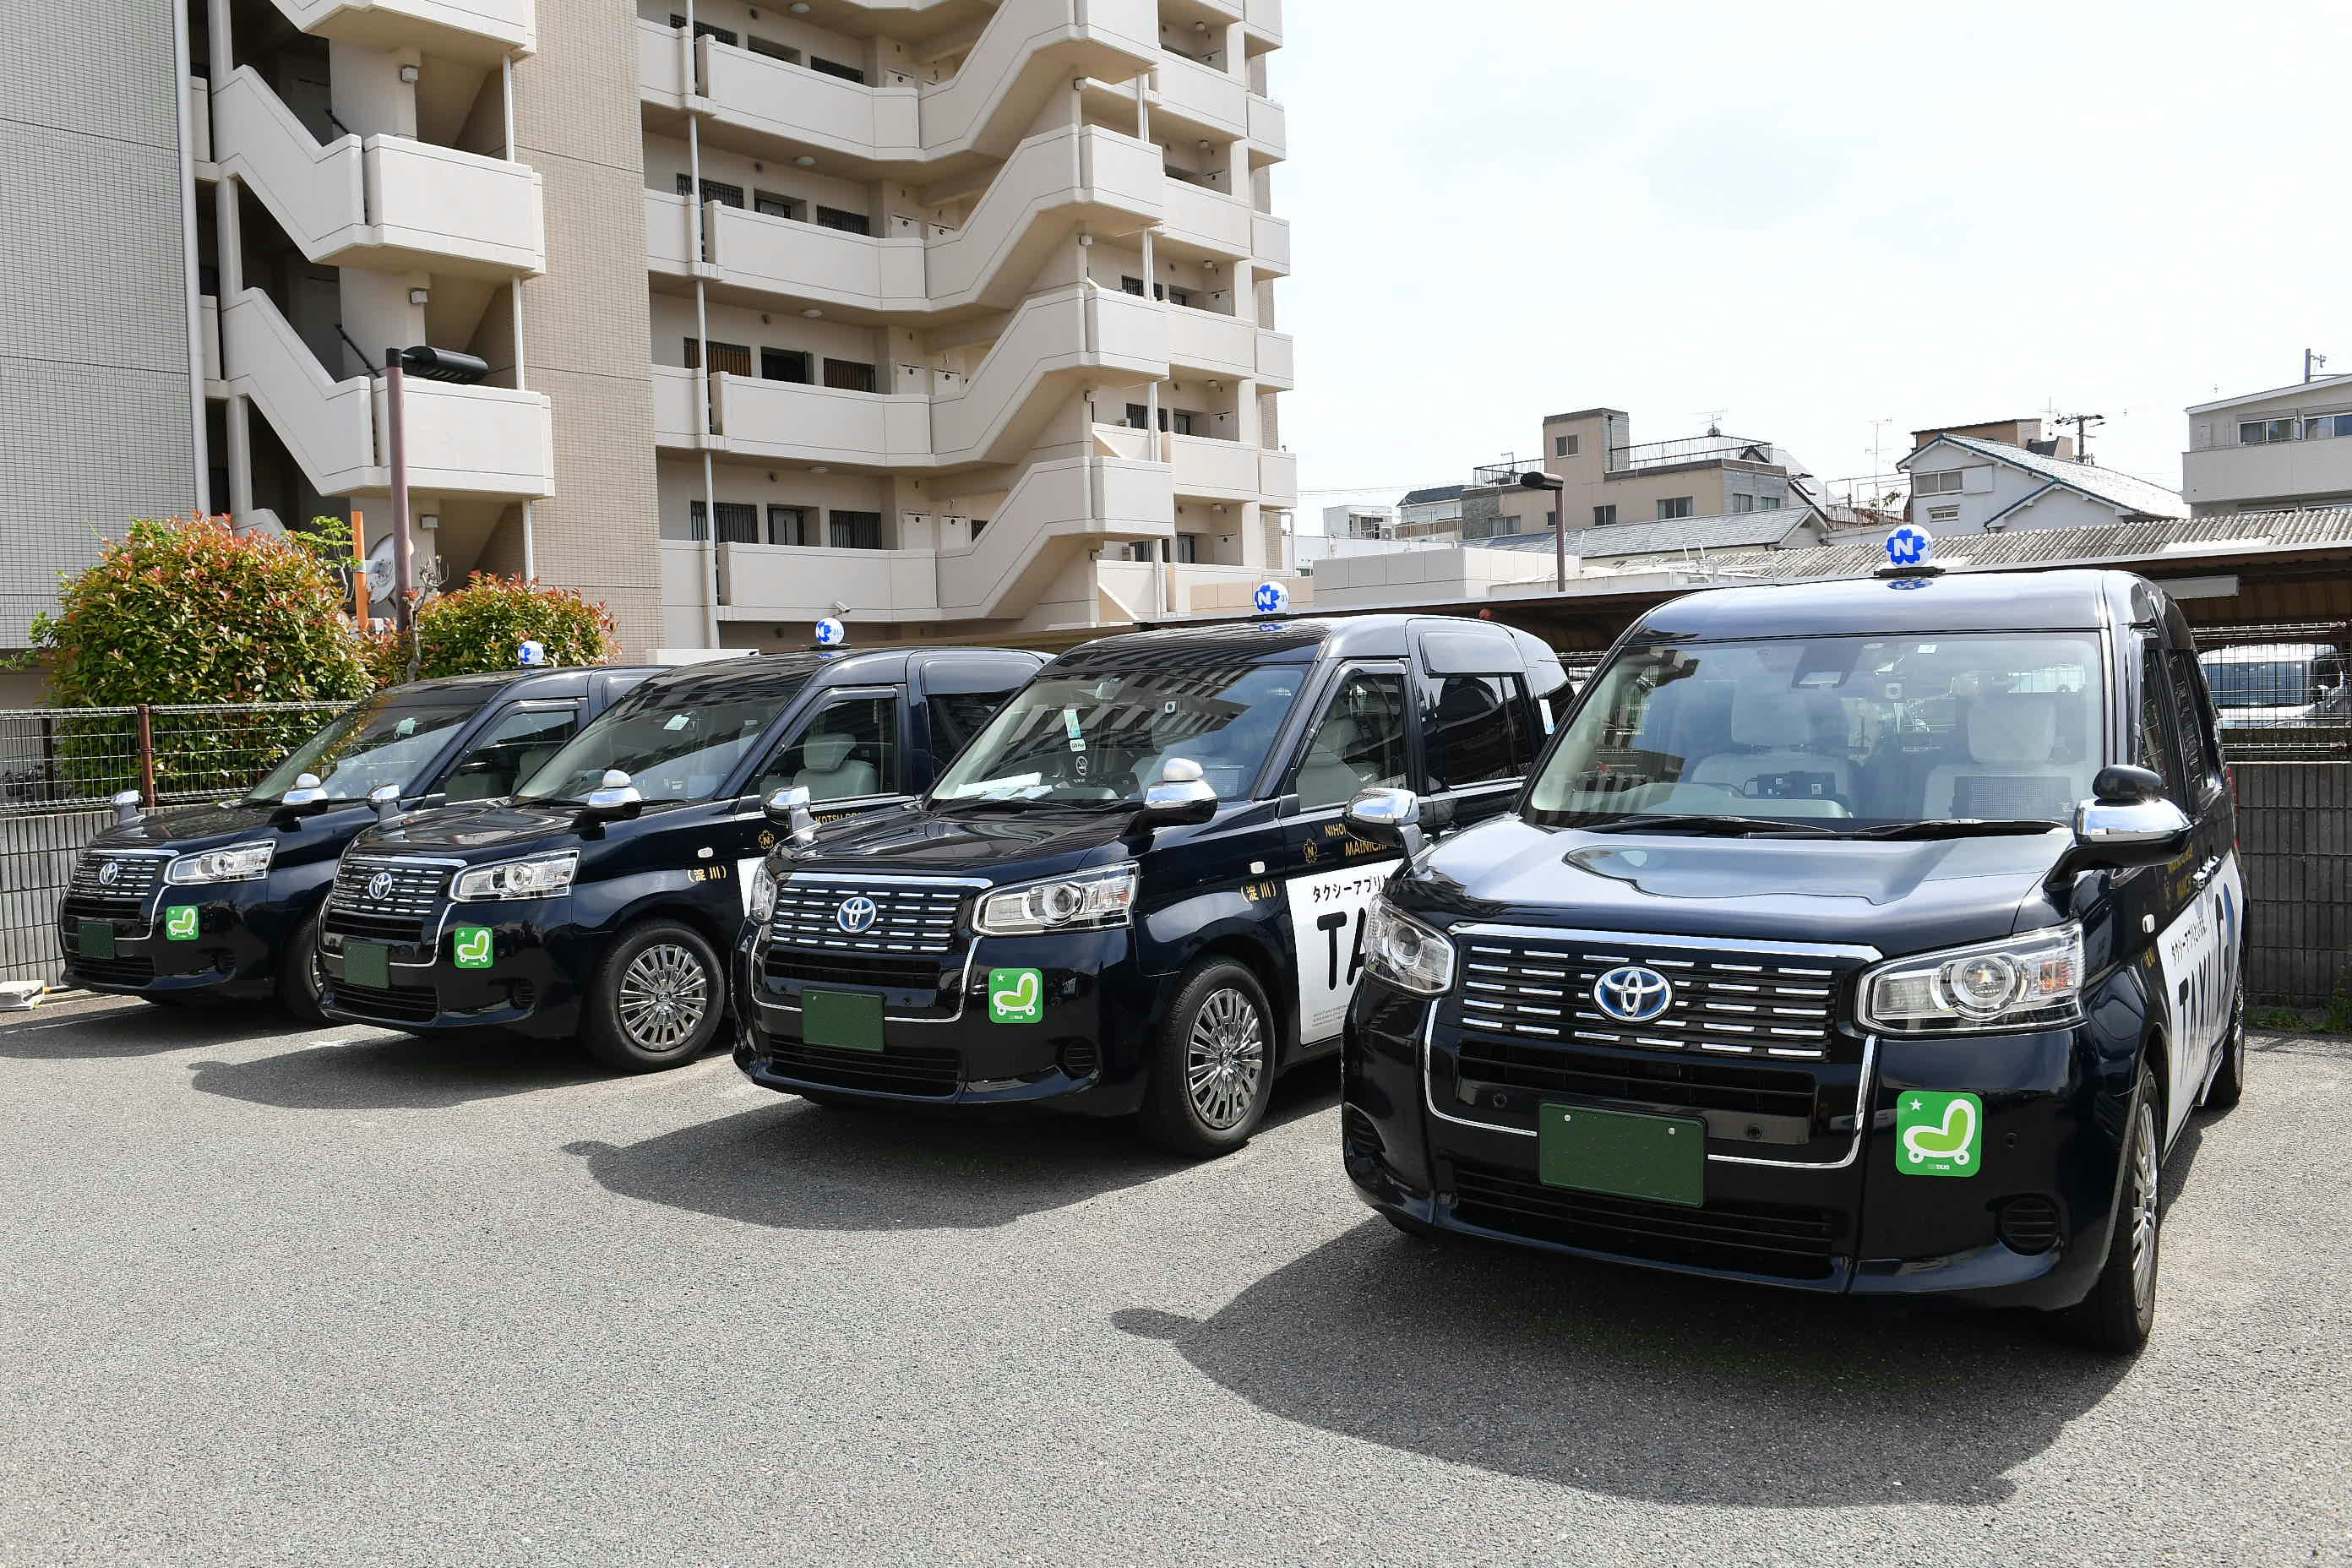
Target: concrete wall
97, 420
585, 327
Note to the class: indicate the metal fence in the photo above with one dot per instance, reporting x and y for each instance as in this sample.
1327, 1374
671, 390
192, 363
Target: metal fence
60, 766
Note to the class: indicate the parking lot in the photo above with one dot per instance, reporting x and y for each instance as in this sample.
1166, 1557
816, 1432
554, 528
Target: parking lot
284, 1296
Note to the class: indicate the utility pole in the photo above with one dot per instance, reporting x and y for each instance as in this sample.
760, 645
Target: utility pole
2312, 361
2083, 424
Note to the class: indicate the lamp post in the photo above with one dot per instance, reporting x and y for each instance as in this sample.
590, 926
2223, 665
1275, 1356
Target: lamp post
433, 364
1540, 480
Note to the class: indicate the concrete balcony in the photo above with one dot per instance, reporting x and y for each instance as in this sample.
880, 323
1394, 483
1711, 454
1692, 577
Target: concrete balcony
2223, 477
1211, 220
383, 202
1206, 468
1264, 17
1226, 345
1270, 244
1053, 343
464, 29
1202, 95
1269, 129
1054, 183
462, 441
1028, 50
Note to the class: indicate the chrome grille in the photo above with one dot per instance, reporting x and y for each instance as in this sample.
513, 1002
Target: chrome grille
908, 917
134, 878
398, 913
1732, 1003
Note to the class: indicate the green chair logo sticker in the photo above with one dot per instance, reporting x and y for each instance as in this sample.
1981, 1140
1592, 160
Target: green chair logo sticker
1016, 997
473, 947
1938, 1134
180, 923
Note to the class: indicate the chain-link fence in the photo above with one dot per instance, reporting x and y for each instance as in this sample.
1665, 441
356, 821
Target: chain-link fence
2280, 690
60, 767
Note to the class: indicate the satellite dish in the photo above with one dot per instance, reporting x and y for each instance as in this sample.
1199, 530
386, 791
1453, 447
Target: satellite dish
381, 575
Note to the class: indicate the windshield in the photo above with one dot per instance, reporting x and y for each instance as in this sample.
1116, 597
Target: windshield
676, 739
373, 745
2258, 682
1082, 735
1866, 731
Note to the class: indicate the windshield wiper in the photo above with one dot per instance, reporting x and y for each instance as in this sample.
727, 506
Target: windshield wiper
1955, 828
1728, 826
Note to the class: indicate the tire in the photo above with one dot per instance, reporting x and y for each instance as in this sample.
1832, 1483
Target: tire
2118, 1314
1212, 1070
658, 998
2229, 1083
300, 978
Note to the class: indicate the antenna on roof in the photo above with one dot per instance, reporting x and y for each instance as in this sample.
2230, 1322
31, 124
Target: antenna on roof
1714, 417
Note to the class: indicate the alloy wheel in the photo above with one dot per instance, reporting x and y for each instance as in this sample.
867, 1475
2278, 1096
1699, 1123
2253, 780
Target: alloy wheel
664, 995
2142, 1207
1224, 1058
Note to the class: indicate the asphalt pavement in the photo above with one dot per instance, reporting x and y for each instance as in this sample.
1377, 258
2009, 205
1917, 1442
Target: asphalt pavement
273, 1296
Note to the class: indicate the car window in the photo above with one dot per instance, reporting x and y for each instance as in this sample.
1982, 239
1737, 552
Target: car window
373, 745
2153, 747
2199, 757
957, 716
1357, 743
1477, 731
514, 746
846, 750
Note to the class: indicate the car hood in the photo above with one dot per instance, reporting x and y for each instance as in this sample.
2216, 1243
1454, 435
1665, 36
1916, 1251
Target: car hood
488, 830
189, 829
1895, 896
998, 843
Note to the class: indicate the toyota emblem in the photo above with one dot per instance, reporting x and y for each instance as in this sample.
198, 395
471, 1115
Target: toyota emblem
856, 915
379, 887
1633, 994
108, 870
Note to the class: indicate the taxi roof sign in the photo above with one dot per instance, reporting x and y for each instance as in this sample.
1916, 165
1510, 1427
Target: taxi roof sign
831, 632
1910, 552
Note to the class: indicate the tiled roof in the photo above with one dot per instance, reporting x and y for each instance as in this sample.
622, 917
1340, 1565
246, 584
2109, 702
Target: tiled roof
2100, 484
1672, 536
1433, 493
2144, 541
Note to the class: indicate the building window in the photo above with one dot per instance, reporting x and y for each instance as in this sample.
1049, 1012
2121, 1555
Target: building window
2326, 425
1188, 548
854, 529
1183, 422
1131, 286
726, 358
712, 191
1604, 515
784, 364
1139, 416
978, 525
1673, 507
1180, 297
2260, 432
738, 523
1947, 483
834, 68
789, 525
1563, 445
1743, 503
849, 375
773, 50
1768, 503
847, 222
775, 205
1943, 514
703, 29
1552, 519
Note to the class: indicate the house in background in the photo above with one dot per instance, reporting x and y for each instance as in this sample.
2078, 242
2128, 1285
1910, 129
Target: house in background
1965, 484
2289, 449
1611, 480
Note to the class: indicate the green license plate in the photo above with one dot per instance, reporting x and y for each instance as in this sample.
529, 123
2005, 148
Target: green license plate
842, 1020
1622, 1152
95, 939
368, 964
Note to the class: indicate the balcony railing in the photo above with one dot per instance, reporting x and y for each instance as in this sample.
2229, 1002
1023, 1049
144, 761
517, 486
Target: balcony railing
1688, 449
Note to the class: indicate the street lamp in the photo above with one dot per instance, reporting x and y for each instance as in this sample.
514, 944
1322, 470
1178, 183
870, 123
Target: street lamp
433, 364
1556, 485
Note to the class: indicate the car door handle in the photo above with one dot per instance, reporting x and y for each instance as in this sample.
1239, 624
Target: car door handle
2205, 872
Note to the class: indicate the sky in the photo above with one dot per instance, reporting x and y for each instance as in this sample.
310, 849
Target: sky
1808, 216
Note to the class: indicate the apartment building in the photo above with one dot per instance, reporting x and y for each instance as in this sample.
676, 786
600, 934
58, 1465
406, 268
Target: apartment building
953, 316
1610, 480
2286, 450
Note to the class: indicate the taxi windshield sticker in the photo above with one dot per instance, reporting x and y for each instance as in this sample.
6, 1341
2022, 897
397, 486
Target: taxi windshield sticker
1016, 997
1938, 1134
180, 923
473, 947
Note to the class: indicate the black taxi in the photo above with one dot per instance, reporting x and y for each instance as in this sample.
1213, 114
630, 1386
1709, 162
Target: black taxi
221, 898
1134, 892
597, 897
1869, 936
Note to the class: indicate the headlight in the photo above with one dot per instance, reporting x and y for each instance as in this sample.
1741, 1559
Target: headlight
2030, 981
1405, 952
236, 863
763, 895
541, 877
1091, 901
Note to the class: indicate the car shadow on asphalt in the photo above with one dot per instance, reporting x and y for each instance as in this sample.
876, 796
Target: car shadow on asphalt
1640, 1385
797, 1165
137, 1029
400, 1072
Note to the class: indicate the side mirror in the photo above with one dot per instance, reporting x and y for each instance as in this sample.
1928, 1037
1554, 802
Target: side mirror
617, 796
1181, 796
385, 798
788, 808
307, 791
2127, 822
1390, 816
126, 807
